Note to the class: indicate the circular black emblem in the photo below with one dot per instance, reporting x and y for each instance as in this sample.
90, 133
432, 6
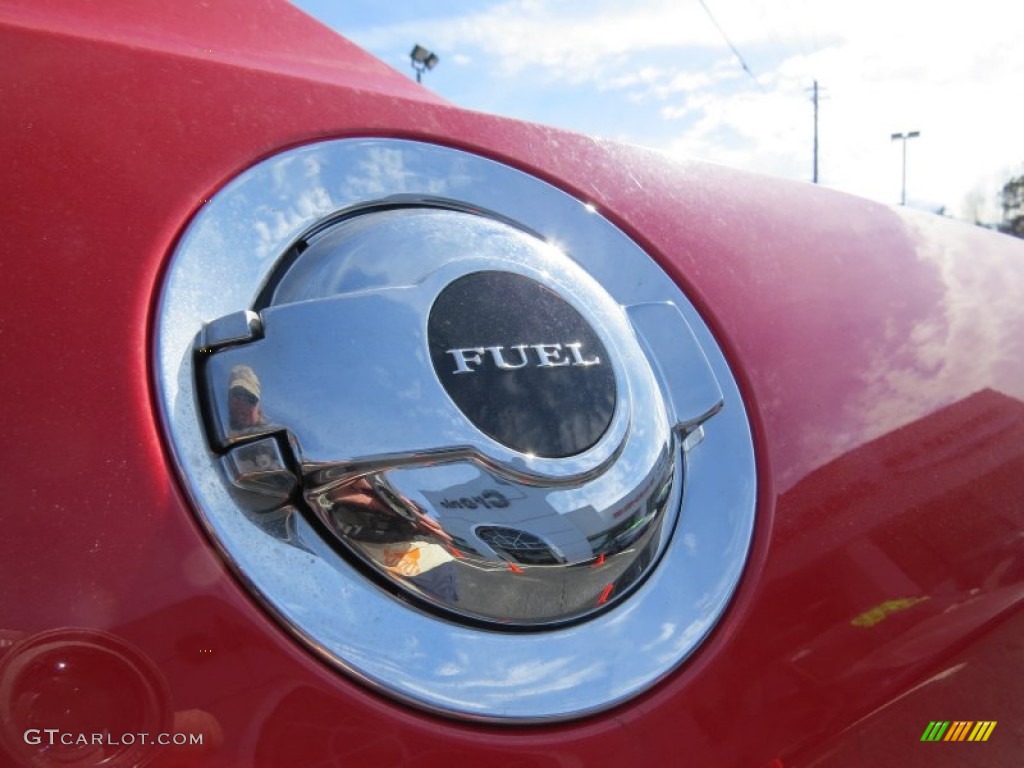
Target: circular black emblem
522, 364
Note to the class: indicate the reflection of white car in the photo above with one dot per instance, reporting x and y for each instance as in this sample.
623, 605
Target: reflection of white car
855, 371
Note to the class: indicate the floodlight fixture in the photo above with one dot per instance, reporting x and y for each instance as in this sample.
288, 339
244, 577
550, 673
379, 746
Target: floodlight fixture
422, 60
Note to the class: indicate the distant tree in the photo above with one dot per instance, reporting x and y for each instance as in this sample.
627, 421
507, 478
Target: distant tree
1012, 200
974, 206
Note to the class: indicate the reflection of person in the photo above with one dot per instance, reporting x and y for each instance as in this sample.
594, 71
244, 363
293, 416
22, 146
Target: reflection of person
244, 398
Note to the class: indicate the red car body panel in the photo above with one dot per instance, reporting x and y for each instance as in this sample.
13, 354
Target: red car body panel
881, 355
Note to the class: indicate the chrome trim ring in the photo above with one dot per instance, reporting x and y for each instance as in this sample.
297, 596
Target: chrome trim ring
219, 269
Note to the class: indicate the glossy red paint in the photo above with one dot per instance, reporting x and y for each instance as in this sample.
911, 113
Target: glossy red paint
881, 354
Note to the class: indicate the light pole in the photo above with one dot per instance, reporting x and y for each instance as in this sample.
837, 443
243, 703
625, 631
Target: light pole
422, 60
903, 137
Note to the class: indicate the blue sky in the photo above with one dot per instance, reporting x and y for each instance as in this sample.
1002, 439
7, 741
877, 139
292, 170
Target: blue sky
660, 74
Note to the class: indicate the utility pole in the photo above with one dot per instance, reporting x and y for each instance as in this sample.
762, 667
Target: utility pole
815, 98
815, 178
903, 137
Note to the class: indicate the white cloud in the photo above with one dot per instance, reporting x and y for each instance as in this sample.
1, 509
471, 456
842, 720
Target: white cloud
569, 41
951, 71
950, 74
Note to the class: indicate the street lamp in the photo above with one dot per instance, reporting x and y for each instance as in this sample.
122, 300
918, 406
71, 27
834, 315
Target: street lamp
903, 137
422, 60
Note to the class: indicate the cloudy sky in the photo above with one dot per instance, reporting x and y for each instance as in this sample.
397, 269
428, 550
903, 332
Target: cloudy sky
661, 73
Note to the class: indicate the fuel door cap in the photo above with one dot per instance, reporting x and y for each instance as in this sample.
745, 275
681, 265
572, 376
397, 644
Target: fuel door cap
478, 411
522, 364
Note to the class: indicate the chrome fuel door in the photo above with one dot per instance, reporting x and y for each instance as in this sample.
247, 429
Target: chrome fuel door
455, 430
483, 429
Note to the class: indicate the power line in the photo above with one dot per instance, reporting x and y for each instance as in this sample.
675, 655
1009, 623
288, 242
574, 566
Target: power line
732, 47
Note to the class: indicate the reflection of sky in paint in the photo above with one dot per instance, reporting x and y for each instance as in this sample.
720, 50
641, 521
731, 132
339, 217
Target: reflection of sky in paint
967, 340
924, 315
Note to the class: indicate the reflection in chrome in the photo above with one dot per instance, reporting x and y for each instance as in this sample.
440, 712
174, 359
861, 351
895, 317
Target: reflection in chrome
347, 381
321, 441
519, 546
260, 467
509, 550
